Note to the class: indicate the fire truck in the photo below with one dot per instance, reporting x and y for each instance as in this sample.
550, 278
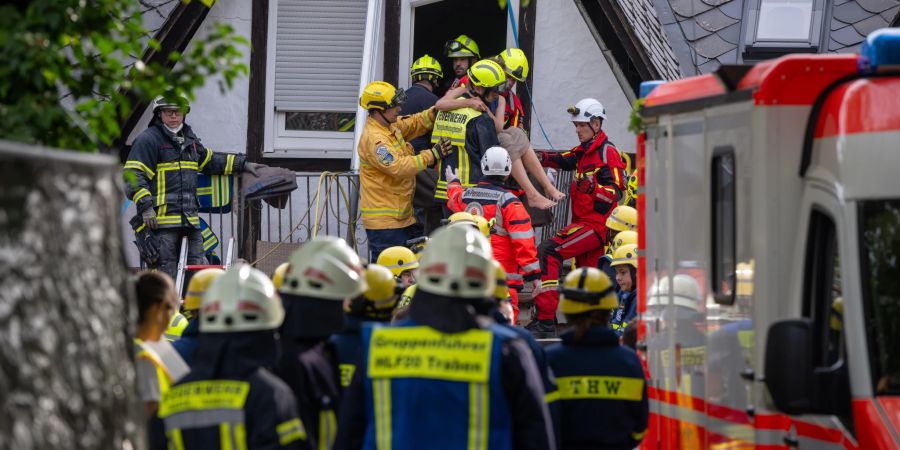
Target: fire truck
769, 269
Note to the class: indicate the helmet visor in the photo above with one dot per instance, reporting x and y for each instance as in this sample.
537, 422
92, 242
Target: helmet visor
517, 73
453, 46
399, 98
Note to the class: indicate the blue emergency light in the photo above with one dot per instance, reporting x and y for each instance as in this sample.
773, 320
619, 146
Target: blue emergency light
648, 86
880, 52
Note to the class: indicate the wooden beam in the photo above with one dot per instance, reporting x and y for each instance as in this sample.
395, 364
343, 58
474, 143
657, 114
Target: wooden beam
392, 42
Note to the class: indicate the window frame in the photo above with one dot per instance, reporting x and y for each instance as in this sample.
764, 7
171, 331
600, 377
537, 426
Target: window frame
725, 299
820, 253
758, 49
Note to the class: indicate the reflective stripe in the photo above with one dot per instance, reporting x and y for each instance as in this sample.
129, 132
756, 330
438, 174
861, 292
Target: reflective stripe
638, 436
533, 267
327, 429
229, 164
593, 387
140, 228
420, 165
141, 193
240, 436
576, 240
381, 390
205, 396
522, 234
402, 266
621, 222
206, 160
551, 397
347, 371
137, 165
290, 431
514, 277
374, 212
175, 440
478, 416
226, 441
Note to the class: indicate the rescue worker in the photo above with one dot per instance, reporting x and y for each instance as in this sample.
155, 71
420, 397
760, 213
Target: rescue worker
426, 75
230, 400
512, 241
463, 52
176, 327
623, 218
597, 186
323, 274
402, 262
463, 381
469, 130
376, 304
157, 364
197, 286
625, 264
631, 193
621, 238
601, 390
388, 166
163, 165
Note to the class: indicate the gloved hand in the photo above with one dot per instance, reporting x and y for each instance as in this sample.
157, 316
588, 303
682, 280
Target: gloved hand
585, 185
149, 218
451, 175
441, 149
253, 168
148, 246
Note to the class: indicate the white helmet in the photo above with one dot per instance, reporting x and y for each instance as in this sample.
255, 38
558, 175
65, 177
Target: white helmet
162, 102
325, 268
586, 109
685, 292
457, 263
496, 162
241, 299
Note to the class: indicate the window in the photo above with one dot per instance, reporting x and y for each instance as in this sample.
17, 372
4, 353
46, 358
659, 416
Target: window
723, 225
879, 227
318, 49
776, 27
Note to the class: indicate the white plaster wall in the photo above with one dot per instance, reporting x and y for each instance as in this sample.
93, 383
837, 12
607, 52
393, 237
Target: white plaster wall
569, 66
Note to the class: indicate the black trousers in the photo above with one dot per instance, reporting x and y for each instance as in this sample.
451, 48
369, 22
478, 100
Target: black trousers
170, 248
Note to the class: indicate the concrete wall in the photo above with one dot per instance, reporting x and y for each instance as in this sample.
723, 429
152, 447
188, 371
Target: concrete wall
568, 66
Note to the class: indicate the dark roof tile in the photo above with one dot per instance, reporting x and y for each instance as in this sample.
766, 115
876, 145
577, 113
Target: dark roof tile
847, 36
834, 45
709, 67
732, 33
730, 57
733, 9
837, 24
714, 20
712, 46
641, 16
891, 15
715, 2
693, 31
664, 13
864, 27
689, 8
850, 12
877, 6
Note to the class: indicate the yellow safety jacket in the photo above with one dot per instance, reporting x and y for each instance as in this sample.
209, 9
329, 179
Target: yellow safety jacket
387, 170
452, 125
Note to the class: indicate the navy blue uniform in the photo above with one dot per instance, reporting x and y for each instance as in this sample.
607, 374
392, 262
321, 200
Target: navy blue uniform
602, 393
627, 311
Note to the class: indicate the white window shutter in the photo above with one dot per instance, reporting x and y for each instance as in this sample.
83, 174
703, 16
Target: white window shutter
318, 54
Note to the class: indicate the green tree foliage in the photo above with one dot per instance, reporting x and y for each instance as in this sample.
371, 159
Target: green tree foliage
67, 66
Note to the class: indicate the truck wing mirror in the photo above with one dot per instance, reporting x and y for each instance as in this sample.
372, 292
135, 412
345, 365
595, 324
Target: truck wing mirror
788, 365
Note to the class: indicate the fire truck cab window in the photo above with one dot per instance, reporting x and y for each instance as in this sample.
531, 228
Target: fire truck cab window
822, 297
879, 245
723, 225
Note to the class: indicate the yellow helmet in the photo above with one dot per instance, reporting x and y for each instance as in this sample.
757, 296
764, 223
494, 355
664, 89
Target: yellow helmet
633, 184
461, 216
622, 218
623, 238
176, 327
487, 74
501, 292
626, 254
426, 68
462, 47
278, 276
587, 289
381, 287
398, 260
381, 95
198, 285
484, 225
406, 296
516, 63
466, 218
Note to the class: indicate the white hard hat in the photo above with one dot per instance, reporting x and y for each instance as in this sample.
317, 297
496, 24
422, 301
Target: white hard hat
496, 162
685, 292
242, 299
162, 102
586, 109
457, 263
325, 268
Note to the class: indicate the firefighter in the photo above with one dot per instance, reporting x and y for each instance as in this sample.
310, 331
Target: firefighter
623, 218
157, 364
621, 238
625, 264
631, 193
402, 262
469, 130
601, 390
176, 327
388, 165
597, 186
230, 400
199, 284
162, 167
463, 52
376, 304
447, 378
513, 238
323, 274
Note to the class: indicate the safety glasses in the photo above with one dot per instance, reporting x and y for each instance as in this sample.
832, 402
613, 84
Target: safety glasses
455, 46
399, 98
